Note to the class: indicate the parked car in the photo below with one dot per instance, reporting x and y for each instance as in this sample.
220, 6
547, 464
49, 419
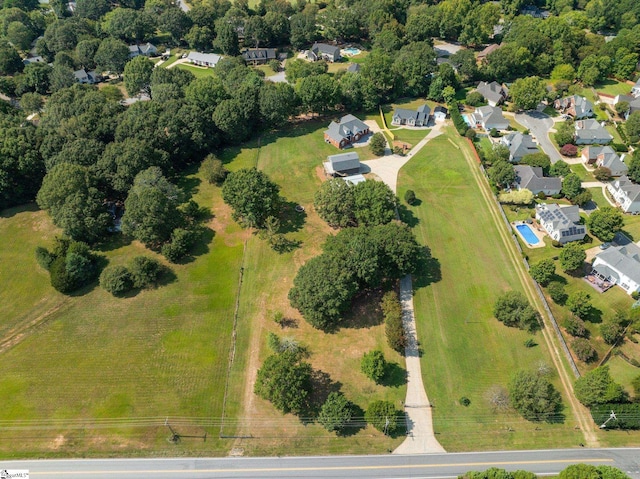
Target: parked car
605, 245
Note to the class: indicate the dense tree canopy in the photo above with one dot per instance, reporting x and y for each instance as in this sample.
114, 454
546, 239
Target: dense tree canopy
605, 222
513, 309
597, 387
533, 396
252, 195
285, 381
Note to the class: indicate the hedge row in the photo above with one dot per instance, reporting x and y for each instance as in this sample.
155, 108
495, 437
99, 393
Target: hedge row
458, 121
628, 415
392, 311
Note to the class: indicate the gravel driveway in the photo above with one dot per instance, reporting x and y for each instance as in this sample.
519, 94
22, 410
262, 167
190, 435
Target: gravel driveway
539, 125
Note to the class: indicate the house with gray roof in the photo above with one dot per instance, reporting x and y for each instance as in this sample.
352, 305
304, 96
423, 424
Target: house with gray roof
85, 77
576, 106
489, 117
619, 265
209, 60
343, 164
633, 102
606, 157
323, 51
519, 146
493, 92
345, 132
635, 90
419, 117
561, 222
146, 50
440, 113
532, 179
626, 194
259, 56
590, 132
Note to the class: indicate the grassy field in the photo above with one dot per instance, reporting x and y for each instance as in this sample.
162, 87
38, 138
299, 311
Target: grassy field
580, 170
198, 72
293, 159
466, 351
613, 87
90, 360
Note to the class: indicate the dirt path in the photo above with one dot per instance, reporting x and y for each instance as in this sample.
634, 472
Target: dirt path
581, 414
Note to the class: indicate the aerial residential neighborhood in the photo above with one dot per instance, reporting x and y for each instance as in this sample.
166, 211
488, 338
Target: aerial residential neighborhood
377, 230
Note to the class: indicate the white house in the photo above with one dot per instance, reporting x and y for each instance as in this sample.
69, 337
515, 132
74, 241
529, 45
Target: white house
626, 193
561, 223
440, 113
147, 50
489, 117
204, 59
619, 265
419, 117
86, 77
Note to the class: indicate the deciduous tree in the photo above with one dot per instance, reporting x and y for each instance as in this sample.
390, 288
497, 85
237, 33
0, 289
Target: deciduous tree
513, 309
597, 387
572, 257
533, 396
336, 412
605, 222
527, 93
252, 196
285, 381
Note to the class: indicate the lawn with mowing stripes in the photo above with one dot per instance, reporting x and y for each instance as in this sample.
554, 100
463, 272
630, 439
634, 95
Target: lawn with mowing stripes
465, 350
162, 352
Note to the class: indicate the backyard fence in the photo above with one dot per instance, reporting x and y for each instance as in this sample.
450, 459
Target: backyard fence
543, 299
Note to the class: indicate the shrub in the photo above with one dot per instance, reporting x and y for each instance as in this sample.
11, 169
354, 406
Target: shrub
541, 195
410, 197
602, 173
530, 343
533, 396
274, 65
474, 98
569, 150
116, 280
582, 198
285, 381
456, 117
182, 241
576, 327
556, 244
213, 169
465, 401
636, 385
635, 295
583, 349
628, 415
383, 416
494, 133
377, 144
611, 332
144, 271
336, 412
579, 303
373, 365
513, 309
61, 280
44, 258
394, 330
471, 134
597, 387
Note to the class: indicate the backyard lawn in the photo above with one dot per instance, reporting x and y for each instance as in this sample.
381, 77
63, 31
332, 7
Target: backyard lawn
466, 352
93, 360
198, 72
613, 87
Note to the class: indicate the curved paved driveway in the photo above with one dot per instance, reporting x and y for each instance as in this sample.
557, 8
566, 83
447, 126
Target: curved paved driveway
539, 124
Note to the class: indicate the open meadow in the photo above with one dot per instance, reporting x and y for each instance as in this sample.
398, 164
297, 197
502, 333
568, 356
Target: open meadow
467, 352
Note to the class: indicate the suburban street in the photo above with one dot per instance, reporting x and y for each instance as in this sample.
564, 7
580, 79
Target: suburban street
544, 462
539, 124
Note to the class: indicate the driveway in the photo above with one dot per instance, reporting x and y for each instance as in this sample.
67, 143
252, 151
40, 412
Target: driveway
539, 125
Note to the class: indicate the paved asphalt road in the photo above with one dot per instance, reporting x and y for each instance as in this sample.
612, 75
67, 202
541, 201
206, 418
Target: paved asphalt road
539, 124
432, 466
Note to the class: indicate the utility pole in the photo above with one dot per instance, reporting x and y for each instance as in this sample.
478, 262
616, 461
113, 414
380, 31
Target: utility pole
611, 416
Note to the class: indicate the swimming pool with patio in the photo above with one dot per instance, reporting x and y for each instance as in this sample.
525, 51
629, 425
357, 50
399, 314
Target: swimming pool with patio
528, 235
467, 120
351, 51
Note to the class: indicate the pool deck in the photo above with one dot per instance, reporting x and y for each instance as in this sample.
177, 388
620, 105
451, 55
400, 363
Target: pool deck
539, 234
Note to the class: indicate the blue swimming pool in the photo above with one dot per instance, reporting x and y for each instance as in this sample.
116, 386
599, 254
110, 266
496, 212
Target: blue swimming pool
528, 234
351, 51
467, 121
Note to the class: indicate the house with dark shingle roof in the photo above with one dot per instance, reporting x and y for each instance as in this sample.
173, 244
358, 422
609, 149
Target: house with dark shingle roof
606, 157
259, 56
532, 179
419, 117
576, 106
489, 117
590, 132
493, 92
519, 146
619, 265
626, 193
343, 164
348, 130
561, 222
323, 51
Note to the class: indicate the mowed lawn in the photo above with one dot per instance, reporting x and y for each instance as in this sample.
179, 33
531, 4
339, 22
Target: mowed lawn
293, 159
466, 351
126, 362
